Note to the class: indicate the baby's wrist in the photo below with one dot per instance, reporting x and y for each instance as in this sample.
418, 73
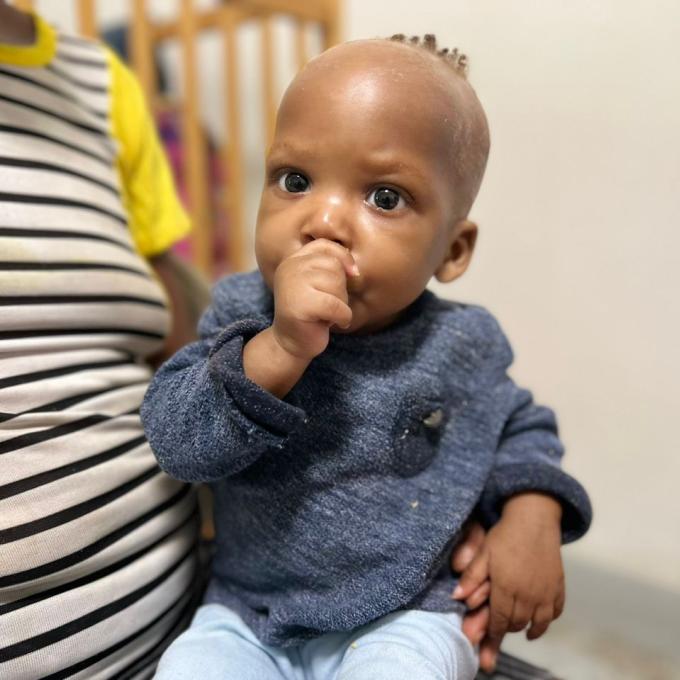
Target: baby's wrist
284, 353
286, 347
534, 507
270, 365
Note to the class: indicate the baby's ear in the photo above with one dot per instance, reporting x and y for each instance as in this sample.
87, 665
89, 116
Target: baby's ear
462, 244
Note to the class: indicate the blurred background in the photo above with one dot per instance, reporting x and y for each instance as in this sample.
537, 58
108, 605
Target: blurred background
579, 250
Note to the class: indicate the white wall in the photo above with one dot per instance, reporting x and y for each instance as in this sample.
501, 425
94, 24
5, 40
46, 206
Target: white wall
580, 234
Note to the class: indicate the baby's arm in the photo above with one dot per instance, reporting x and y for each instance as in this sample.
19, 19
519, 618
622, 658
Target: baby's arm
310, 293
215, 408
532, 506
203, 418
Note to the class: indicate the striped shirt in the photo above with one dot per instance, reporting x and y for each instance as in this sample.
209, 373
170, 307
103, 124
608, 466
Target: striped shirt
97, 546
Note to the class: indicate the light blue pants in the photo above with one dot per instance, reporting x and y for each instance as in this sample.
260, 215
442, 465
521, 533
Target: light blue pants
408, 645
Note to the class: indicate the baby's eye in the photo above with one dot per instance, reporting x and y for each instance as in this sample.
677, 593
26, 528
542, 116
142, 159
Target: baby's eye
386, 199
293, 182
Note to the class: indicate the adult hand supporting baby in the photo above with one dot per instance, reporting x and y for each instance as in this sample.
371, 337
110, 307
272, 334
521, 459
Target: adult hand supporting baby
310, 296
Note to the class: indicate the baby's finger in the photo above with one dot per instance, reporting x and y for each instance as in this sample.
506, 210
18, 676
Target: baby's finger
543, 617
468, 548
520, 617
323, 245
329, 309
331, 281
479, 596
501, 606
474, 575
475, 624
488, 654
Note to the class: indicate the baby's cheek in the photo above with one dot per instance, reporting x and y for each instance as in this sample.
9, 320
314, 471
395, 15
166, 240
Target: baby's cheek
407, 280
269, 254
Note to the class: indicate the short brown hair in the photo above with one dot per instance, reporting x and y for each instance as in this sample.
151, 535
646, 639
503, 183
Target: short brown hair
455, 59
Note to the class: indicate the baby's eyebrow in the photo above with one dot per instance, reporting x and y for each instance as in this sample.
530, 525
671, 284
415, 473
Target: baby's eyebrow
285, 150
392, 166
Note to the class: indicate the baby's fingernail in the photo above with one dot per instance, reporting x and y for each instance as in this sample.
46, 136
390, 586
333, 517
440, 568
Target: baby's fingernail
457, 592
354, 271
466, 554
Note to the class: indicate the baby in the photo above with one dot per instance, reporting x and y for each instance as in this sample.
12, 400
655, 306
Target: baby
348, 420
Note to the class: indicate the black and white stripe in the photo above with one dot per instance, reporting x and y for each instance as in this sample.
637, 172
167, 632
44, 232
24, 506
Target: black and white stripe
97, 546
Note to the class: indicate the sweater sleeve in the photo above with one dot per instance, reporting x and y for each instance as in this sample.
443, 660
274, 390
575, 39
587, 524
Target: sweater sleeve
528, 459
529, 452
203, 417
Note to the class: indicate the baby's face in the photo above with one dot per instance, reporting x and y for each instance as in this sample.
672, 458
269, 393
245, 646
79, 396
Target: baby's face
362, 156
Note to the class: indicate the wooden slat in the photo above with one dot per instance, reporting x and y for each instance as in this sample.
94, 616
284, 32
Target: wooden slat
242, 10
231, 152
332, 28
301, 54
303, 9
205, 20
194, 144
140, 48
268, 80
87, 20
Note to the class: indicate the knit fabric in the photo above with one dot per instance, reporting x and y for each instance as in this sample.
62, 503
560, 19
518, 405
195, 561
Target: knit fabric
341, 503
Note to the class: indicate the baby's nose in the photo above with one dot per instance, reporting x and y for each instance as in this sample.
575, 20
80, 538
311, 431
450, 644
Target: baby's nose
329, 220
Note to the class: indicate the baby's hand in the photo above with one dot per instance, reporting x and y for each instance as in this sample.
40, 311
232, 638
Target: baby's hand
310, 296
521, 558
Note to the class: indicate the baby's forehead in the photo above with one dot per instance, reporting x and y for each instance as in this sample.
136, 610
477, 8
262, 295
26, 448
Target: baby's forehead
409, 69
386, 83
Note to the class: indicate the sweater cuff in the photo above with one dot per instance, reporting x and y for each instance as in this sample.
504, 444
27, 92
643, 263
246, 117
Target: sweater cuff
509, 480
273, 417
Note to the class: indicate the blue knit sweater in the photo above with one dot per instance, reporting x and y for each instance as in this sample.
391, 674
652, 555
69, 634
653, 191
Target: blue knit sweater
341, 502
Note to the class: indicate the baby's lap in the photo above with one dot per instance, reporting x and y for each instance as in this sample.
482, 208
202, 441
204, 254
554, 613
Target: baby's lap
411, 627
407, 644
218, 644
398, 645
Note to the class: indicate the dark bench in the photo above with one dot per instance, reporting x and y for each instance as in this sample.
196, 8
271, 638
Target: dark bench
511, 668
